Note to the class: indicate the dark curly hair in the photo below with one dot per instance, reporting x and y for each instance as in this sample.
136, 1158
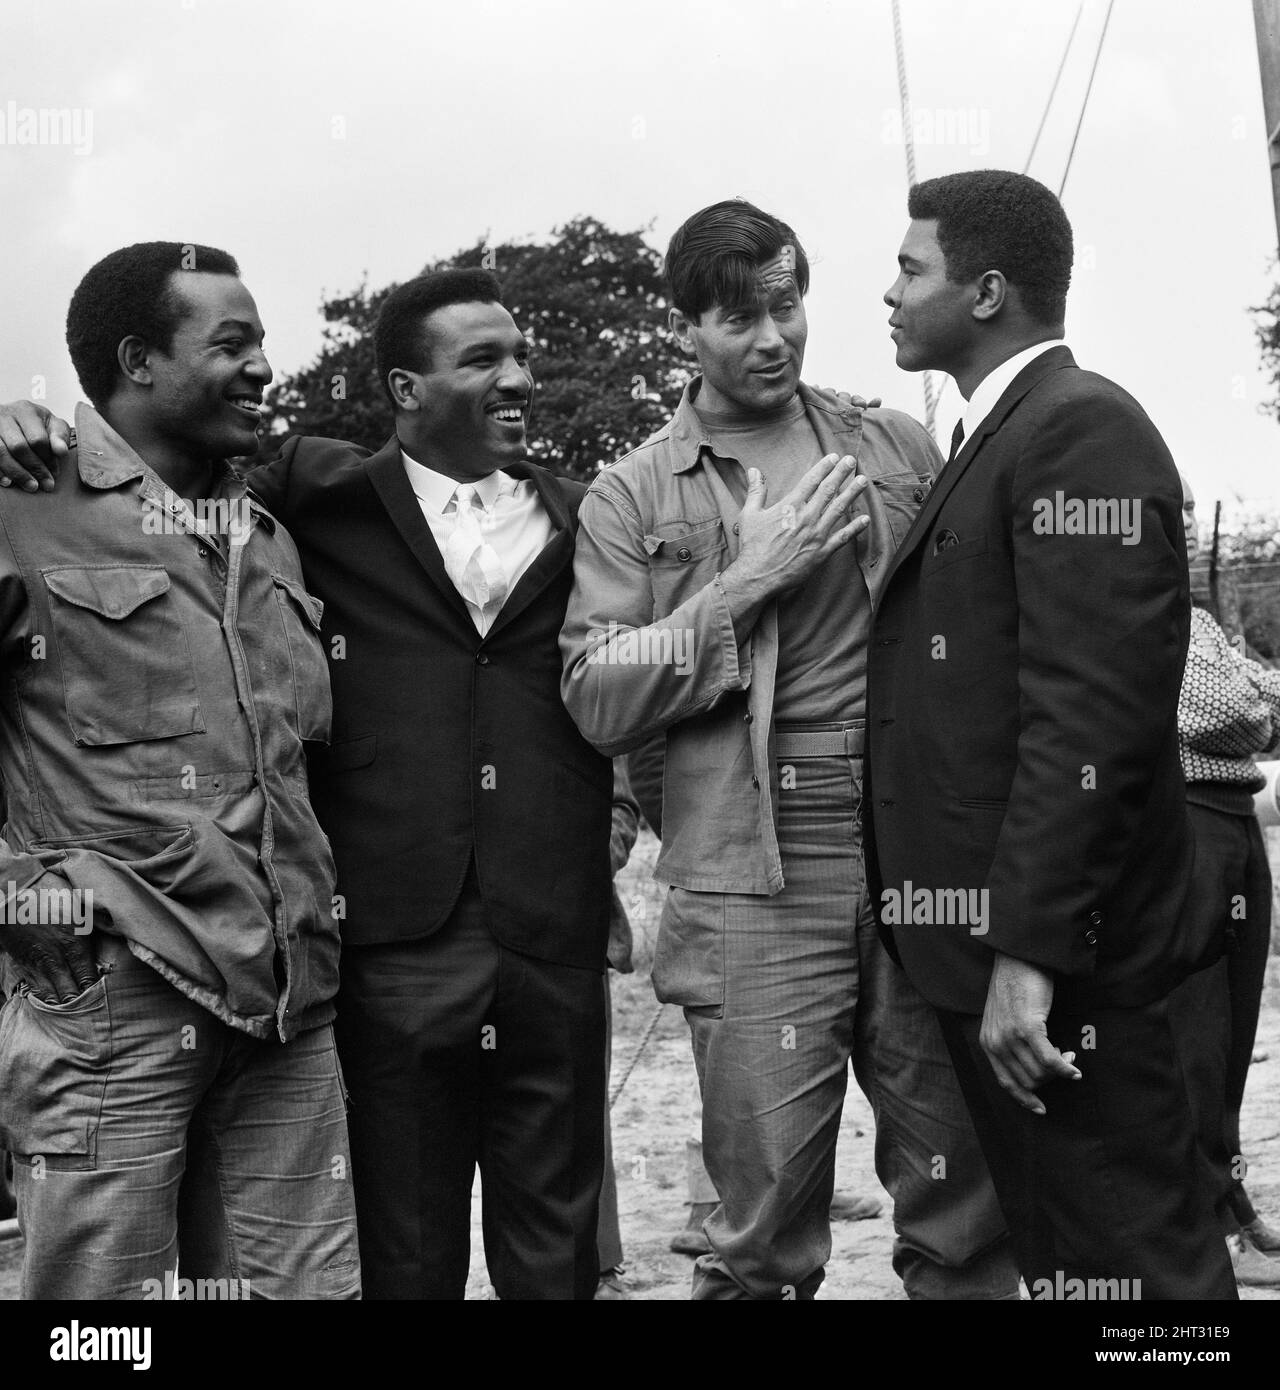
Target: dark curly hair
713, 257
129, 293
991, 219
398, 339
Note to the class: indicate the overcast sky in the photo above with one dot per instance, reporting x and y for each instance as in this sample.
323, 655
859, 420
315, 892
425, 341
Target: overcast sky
321, 141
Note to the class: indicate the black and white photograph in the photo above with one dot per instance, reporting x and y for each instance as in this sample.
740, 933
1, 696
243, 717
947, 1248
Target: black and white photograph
640, 661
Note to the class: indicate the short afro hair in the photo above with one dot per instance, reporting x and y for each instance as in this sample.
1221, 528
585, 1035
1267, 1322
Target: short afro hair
130, 294
713, 257
991, 219
398, 337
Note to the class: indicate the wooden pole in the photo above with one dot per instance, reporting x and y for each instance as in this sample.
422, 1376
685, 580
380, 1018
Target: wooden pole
1266, 23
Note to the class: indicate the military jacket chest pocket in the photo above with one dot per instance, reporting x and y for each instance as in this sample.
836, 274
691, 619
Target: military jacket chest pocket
683, 558
901, 496
123, 653
301, 615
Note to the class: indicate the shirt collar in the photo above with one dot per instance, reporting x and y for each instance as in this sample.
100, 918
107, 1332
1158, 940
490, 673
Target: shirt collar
992, 386
689, 436
102, 456
436, 490
105, 460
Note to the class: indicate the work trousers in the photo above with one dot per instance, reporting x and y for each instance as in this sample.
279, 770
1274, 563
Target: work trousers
807, 986
160, 1153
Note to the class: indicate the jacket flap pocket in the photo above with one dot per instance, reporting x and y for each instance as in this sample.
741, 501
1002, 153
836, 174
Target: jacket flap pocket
686, 543
312, 607
111, 591
342, 757
688, 961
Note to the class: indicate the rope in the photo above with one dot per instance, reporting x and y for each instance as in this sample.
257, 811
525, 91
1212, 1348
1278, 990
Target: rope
1084, 104
904, 97
1052, 90
616, 1089
909, 144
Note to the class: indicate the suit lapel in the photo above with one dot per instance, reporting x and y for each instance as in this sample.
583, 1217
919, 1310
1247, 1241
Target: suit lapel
1031, 375
553, 557
391, 483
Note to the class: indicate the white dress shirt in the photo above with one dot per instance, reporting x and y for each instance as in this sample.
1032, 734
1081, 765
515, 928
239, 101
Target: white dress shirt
514, 522
992, 386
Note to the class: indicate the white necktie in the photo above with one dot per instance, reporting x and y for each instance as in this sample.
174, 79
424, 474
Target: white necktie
471, 562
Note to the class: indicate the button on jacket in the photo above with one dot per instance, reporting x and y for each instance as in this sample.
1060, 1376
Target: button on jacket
159, 683
655, 530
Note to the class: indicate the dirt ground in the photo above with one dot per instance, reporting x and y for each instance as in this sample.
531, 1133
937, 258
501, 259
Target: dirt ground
652, 1120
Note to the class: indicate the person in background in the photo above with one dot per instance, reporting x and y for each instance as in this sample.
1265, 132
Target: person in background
1228, 713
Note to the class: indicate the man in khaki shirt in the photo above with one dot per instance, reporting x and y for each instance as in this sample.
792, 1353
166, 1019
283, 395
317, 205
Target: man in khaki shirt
724, 579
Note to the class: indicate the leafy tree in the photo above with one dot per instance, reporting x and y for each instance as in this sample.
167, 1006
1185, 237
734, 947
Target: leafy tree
1267, 328
590, 301
1248, 573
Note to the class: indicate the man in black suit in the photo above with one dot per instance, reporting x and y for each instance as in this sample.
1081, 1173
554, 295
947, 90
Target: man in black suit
1030, 843
470, 820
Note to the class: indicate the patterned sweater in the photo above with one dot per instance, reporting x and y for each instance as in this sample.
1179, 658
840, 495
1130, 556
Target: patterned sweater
1228, 711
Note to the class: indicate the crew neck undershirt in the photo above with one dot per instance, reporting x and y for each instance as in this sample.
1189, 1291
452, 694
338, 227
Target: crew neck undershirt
824, 625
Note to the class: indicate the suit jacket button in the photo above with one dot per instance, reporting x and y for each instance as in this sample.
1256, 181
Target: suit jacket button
755, 782
1091, 938
1095, 918
481, 659
748, 717
918, 494
736, 529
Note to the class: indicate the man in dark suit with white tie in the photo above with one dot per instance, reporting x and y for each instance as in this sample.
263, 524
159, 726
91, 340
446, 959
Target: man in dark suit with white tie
469, 819
1023, 759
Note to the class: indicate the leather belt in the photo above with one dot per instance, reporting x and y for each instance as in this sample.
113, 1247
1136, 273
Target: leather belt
796, 741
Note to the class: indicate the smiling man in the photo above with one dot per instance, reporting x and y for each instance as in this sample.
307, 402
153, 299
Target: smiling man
470, 820
751, 535
168, 1082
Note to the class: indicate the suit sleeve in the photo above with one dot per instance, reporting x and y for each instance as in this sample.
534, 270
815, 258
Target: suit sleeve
644, 770
1103, 623
270, 480
626, 819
